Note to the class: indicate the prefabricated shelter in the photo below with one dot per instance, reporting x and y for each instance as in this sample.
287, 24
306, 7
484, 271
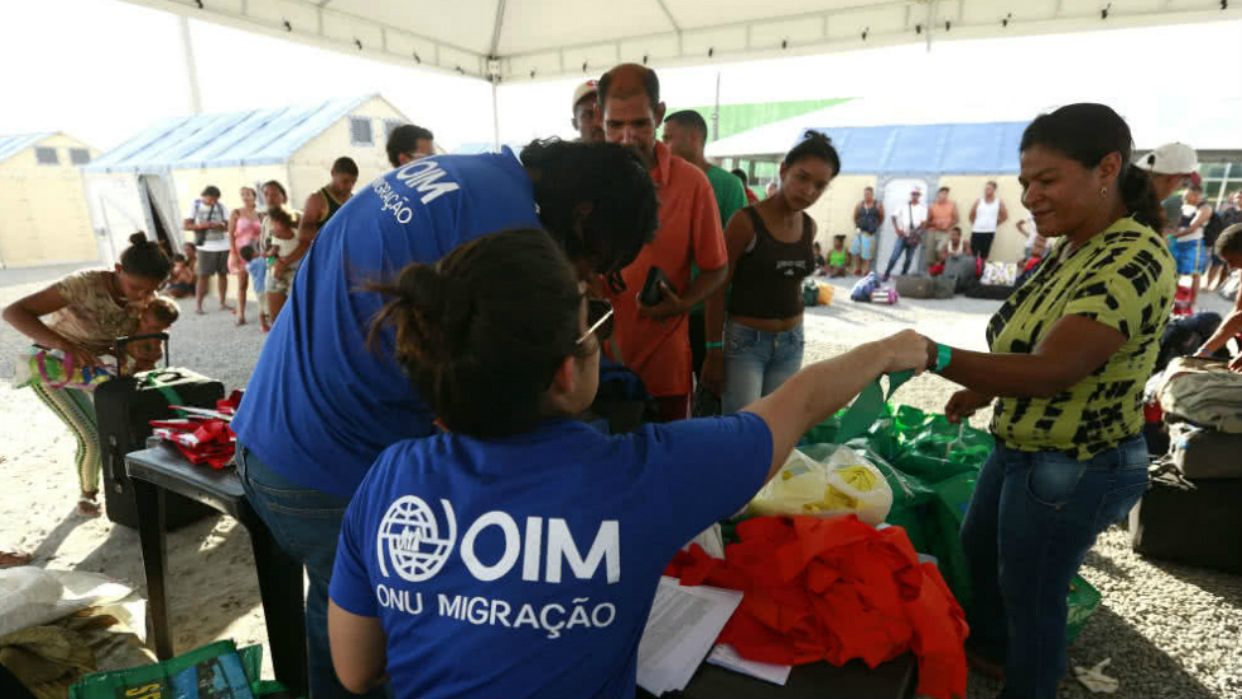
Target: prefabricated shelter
43, 217
149, 182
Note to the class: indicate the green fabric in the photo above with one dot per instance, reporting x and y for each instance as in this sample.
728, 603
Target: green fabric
838, 258
730, 195
736, 118
121, 683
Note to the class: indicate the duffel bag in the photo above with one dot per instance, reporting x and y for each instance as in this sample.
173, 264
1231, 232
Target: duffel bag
1202, 391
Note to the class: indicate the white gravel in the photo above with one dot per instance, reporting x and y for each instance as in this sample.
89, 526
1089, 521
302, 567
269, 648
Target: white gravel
1171, 631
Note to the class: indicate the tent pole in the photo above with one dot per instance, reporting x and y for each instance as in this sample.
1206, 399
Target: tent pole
191, 68
495, 120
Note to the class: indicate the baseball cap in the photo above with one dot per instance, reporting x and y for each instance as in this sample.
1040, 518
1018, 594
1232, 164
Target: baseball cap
1171, 159
585, 90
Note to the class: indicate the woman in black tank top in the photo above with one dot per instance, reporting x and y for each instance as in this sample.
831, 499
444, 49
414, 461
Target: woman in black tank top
770, 253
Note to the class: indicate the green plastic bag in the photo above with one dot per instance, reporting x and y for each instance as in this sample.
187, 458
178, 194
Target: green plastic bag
1083, 600
218, 665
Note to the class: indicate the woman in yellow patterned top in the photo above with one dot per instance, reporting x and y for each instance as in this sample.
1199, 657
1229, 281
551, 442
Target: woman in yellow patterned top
1071, 351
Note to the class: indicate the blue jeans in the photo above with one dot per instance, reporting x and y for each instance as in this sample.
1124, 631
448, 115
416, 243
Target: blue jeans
756, 363
902, 246
306, 524
1028, 528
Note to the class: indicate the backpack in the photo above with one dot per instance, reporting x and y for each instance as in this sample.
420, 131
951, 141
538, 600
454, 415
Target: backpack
862, 290
1203, 391
1185, 335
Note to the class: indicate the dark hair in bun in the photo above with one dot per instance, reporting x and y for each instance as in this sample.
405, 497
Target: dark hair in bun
144, 258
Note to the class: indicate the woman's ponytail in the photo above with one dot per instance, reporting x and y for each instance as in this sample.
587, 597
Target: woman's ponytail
1139, 196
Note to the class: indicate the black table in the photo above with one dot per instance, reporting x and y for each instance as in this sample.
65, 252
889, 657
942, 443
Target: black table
895, 679
161, 469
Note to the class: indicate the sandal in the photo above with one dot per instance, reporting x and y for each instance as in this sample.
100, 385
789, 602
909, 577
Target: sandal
88, 507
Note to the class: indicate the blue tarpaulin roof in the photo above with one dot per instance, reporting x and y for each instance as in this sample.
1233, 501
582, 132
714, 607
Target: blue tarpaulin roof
984, 149
256, 137
12, 145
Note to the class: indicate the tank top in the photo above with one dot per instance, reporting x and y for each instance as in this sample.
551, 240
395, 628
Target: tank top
1189, 213
869, 218
333, 206
247, 230
767, 281
986, 215
954, 250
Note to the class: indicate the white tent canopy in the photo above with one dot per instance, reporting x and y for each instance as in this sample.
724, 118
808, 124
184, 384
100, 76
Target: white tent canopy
507, 40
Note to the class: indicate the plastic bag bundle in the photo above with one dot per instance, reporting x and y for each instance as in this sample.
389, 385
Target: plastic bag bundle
844, 484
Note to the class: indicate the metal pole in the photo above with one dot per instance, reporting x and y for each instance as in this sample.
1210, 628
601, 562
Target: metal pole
191, 68
495, 120
716, 111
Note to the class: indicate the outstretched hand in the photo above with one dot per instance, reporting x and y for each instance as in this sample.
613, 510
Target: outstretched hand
908, 351
964, 404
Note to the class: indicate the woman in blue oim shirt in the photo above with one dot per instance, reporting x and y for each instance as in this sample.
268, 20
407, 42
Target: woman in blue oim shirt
517, 554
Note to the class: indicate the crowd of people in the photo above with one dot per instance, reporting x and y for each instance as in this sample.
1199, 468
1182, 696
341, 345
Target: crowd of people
436, 344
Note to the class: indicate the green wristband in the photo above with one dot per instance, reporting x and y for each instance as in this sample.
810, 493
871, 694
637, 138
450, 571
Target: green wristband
715, 345
944, 355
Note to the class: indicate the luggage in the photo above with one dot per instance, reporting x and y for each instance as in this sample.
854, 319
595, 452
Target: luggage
125, 406
1200, 453
1202, 391
1184, 336
915, 286
963, 268
1196, 527
945, 286
996, 292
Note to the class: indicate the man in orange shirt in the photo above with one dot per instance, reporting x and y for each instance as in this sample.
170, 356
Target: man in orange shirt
654, 341
942, 217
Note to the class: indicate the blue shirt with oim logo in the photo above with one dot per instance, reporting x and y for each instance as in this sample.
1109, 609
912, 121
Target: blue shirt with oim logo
526, 566
321, 405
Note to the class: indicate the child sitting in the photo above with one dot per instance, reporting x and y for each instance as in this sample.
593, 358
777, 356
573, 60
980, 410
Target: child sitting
181, 280
256, 267
279, 278
819, 261
838, 259
157, 317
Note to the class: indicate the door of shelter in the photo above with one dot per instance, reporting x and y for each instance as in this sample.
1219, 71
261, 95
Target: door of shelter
896, 196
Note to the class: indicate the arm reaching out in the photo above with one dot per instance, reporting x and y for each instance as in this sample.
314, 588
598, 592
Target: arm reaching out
820, 390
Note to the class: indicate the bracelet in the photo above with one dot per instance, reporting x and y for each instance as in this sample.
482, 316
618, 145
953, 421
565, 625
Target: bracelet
944, 355
715, 345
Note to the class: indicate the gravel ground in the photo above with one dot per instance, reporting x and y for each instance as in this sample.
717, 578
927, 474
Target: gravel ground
1171, 631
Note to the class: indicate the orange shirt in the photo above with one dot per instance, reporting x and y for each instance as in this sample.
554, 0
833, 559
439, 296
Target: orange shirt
659, 350
941, 215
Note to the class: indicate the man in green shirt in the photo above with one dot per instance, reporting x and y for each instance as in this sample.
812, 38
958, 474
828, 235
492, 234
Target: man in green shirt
685, 134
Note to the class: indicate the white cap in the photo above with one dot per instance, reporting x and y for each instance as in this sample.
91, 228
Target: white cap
1170, 159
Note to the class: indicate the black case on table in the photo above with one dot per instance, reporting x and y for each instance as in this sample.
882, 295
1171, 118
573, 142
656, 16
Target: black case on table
124, 408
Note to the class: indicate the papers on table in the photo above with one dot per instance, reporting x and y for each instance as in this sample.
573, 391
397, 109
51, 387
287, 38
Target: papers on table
724, 656
682, 628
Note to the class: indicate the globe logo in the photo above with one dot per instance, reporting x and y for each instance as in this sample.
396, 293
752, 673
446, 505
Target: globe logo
409, 538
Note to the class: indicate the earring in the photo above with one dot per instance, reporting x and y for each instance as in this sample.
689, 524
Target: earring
1103, 192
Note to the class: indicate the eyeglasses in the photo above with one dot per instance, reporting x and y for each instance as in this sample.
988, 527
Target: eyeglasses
599, 320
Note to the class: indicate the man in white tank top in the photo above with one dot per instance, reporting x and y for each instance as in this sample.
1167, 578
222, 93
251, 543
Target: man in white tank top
986, 216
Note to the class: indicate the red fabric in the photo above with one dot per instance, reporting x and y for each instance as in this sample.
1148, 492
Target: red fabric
203, 440
835, 590
936, 270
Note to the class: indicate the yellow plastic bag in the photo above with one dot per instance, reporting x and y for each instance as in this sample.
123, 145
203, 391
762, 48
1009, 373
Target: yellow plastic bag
846, 484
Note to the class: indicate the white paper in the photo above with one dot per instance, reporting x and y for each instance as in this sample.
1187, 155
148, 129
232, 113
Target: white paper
681, 630
724, 656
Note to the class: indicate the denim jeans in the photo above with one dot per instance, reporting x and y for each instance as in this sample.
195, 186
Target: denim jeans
1028, 528
902, 246
756, 363
306, 524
